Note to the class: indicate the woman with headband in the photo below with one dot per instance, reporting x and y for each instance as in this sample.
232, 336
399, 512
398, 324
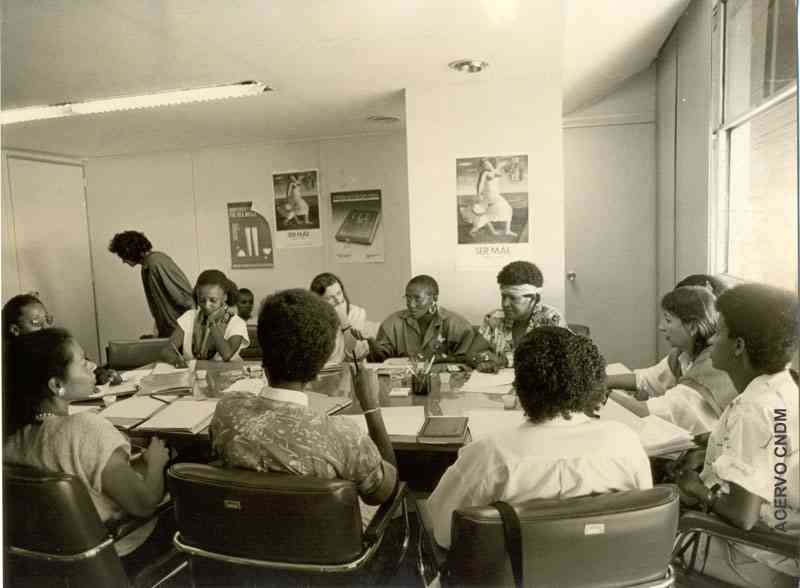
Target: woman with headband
522, 311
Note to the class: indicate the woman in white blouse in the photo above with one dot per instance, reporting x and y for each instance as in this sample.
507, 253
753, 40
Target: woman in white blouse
558, 450
750, 472
683, 388
354, 329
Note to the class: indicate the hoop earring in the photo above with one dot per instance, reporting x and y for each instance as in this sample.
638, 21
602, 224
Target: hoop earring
434, 307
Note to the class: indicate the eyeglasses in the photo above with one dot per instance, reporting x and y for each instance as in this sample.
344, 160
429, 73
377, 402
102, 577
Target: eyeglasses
43, 322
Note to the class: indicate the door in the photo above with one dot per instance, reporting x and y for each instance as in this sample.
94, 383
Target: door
52, 243
609, 185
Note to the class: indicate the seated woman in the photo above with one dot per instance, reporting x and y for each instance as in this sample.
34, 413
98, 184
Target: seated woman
212, 330
353, 327
695, 393
48, 370
750, 474
425, 328
522, 310
297, 331
559, 451
25, 313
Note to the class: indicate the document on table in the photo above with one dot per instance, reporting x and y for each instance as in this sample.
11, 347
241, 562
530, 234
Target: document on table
399, 420
165, 368
657, 435
188, 416
129, 413
500, 383
483, 423
616, 369
251, 385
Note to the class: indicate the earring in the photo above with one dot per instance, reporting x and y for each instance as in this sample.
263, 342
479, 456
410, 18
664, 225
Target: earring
434, 307
61, 391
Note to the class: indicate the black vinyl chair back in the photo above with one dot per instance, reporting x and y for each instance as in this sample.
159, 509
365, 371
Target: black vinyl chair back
53, 534
266, 516
252, 351
128, 355
618, 539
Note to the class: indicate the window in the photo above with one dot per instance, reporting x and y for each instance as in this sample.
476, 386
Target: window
754, 141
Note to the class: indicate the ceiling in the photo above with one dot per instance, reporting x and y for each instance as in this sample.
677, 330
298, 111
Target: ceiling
331, 62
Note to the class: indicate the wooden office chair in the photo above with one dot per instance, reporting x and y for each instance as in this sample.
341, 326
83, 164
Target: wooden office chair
128, 355
242, 527
618, 539
54, 537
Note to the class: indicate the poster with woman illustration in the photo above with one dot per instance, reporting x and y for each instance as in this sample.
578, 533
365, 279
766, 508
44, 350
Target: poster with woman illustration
297, 222
491, 209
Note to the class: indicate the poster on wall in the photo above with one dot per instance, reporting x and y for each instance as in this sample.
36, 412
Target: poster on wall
251, 238
492, 210
297, 222
357, 226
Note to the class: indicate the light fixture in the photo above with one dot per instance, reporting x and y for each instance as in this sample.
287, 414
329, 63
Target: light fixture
468, 65
169, 98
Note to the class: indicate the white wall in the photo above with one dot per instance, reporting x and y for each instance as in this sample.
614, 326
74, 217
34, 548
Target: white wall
178, 199
10, 270
501, 117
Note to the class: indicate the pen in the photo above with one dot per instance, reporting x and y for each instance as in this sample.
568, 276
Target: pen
180, 362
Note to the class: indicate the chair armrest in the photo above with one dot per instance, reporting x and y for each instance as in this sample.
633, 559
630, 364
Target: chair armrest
759, 536
129, 524
383, 517
426, 533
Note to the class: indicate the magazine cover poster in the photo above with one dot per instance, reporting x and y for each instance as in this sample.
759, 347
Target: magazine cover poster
492, 209
297, 221
357, 226
251, 238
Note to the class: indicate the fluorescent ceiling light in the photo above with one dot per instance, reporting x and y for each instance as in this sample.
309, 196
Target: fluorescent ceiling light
169, 98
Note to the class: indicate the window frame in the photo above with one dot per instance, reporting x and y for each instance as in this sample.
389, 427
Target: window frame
720, 143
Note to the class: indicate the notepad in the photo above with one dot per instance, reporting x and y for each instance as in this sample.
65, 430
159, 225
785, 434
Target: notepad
182, 416
398, 420
129, 413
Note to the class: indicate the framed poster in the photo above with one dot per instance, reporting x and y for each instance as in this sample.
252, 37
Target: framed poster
297, 222
250, 237
357, 222
492, 210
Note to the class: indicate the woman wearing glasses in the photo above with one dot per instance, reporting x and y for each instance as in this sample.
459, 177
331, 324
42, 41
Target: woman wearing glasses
425, 328
25, 314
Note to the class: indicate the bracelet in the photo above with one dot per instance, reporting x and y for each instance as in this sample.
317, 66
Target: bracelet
377, 408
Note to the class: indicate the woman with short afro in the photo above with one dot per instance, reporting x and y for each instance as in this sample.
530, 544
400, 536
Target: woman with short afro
559, 449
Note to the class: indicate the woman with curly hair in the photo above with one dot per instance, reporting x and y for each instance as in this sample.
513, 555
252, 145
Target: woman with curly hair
166, 287
354, 329
522, 310
750, 472
559, 450
683, 388
213, 330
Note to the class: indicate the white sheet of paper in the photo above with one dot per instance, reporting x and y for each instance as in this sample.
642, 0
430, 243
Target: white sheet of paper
614, 411
399, 420
499, 383
135, 375
138, 407
483, 423
165, 368
252, 385
182, 414
616, 369
401, 391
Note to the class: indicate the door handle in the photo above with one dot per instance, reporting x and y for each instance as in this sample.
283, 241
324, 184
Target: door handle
571, 275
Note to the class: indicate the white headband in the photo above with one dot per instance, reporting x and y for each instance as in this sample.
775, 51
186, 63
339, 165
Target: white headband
520, 290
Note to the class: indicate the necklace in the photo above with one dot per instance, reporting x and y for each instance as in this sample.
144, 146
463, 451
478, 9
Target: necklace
40, 416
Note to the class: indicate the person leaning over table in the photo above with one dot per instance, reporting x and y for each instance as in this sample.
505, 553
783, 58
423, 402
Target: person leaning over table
559, 450
212, 330
750, 472
26, 313
47, 371
522, 310
297, 331
425, 328
353, 327
166, 287
699, 392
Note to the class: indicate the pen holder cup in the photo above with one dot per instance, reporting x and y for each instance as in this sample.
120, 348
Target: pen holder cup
421, 384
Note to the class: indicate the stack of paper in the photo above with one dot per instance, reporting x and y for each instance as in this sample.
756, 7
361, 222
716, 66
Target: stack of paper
399, 420
500, 383
483, 423
129, 413
183, 416
658, 436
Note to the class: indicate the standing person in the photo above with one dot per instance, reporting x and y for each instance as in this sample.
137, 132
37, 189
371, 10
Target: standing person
168, 291
750, 471
212, 330
353, 327
522, 311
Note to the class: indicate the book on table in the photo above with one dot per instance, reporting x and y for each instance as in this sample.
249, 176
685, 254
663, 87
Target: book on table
181, 416
128, 413
443, 430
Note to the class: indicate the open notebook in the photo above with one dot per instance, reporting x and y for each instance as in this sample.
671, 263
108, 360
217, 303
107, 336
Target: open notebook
182, 416
126, 414
659, 437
